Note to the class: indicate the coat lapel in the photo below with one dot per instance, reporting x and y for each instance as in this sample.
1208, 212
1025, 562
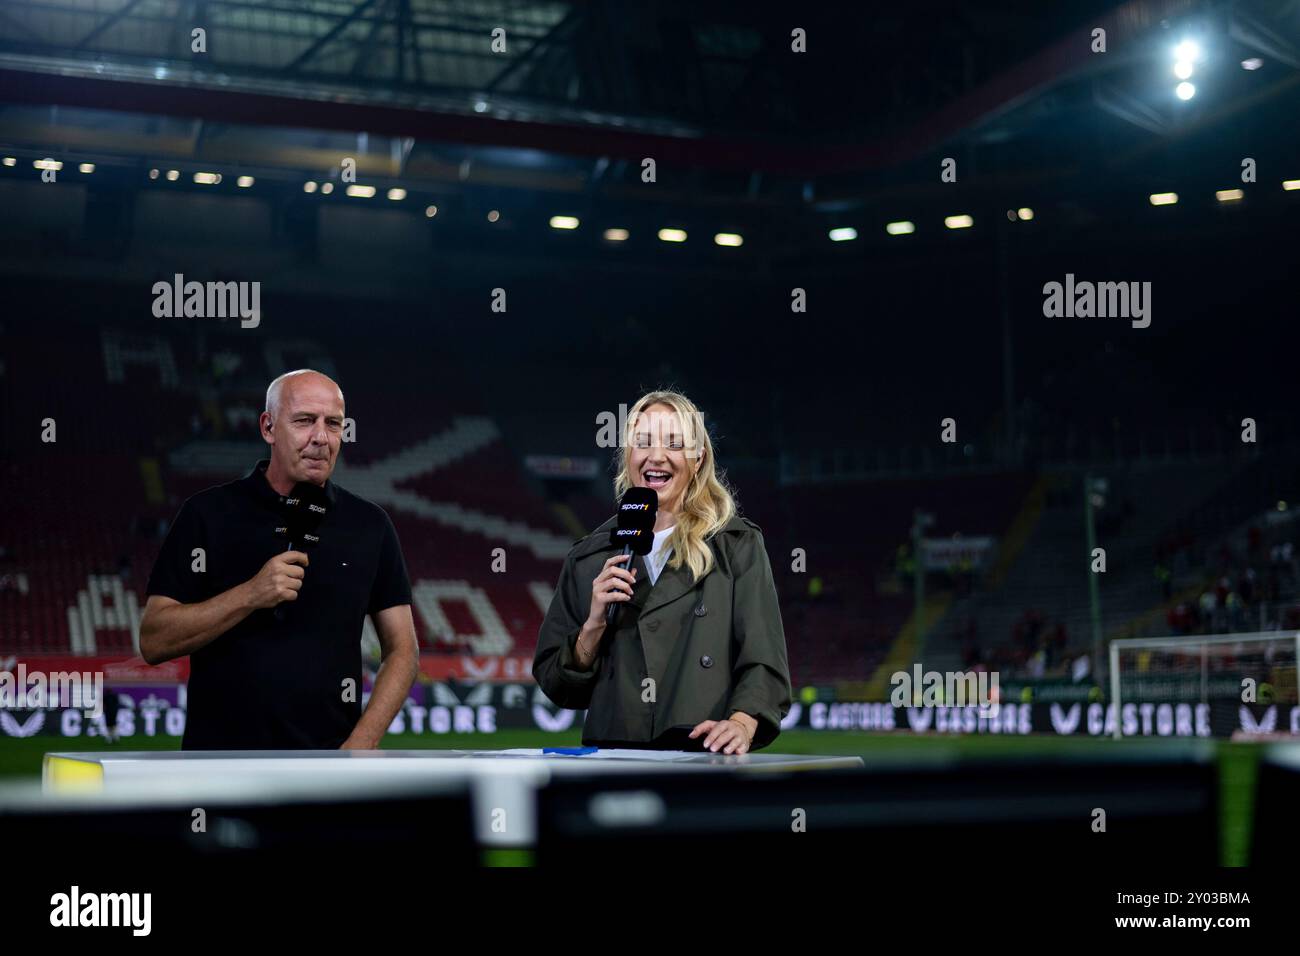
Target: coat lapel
672, 584
642, 589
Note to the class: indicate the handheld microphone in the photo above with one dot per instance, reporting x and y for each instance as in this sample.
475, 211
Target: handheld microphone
304, 508
634, 532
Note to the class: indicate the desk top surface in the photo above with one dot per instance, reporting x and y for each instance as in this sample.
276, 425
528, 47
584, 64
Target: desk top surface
558, 755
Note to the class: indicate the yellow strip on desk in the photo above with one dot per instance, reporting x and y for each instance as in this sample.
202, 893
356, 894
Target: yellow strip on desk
63, 775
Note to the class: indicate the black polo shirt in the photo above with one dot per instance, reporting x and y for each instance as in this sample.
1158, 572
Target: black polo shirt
278, 683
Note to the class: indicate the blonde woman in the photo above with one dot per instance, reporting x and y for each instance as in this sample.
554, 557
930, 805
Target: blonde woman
695, 656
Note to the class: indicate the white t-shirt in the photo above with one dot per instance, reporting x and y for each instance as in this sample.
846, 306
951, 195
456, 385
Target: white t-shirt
659, 554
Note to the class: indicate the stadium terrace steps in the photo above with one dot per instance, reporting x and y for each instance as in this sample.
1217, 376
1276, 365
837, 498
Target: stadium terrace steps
1051, 573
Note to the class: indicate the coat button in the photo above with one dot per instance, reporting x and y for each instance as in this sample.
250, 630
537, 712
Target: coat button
706, 661
701, 611
652, 625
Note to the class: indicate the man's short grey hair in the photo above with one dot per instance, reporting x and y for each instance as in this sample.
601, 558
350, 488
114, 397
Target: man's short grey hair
276, 387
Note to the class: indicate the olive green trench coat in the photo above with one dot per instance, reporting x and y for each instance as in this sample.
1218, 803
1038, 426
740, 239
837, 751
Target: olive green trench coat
677, 653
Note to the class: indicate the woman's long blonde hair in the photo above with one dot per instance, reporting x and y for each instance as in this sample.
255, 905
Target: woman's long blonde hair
707, 504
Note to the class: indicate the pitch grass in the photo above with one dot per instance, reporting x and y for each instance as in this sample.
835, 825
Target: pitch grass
20, 758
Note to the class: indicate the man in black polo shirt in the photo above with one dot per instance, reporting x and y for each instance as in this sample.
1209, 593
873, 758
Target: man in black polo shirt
274, 636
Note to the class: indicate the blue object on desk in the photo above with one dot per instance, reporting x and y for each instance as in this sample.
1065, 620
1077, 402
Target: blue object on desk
570, 751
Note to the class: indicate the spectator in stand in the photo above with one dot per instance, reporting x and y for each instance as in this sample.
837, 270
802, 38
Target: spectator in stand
1180, 619
1208, 605
1236, 613
1163, 576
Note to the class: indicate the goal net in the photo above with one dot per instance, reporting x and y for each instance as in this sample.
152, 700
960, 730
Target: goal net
1218, 684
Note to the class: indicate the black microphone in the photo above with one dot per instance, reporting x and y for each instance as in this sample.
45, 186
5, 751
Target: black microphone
304, 509
634, 532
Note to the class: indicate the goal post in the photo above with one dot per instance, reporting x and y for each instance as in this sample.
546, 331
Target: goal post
1213, 669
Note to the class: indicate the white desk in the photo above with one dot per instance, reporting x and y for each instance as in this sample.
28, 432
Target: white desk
497, 780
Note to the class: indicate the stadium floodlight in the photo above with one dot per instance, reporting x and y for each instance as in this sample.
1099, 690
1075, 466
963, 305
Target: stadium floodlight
616, 235
1228, 195
1163, 199
493, 215
47, 164
1183, 69
564, 222
1025, 213
728, 239
359, 191
901, 228
153, 174
86, 168
327, 188
962, 221
672, 235
1252, 63
430, 211
1291, 184
243, 182
843, 234
309, 186
10, 161
1189, 51
207, 179
173, 175
1185, 91
397, 194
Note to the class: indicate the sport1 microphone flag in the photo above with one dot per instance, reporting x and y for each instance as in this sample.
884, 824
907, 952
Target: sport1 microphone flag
634, 532
305, 508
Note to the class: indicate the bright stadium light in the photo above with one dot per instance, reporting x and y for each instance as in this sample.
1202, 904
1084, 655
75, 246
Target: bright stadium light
843, 234
327, 188
47, 164
958, 222
493, 215
1188, 51
359, 191
397, 194
430, 211
10, 161
564, 222
1025, 213
900, 228
616, 235
207, 179
1163, 199
173, 175
153, 174
1185, 91
86, 168
672, 235
309, 187
1228, 195
728, 239
1183, 69
243, 182
1290, 184
1252, 63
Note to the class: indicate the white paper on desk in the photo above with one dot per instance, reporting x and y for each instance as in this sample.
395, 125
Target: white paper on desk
611, 754
615, 754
